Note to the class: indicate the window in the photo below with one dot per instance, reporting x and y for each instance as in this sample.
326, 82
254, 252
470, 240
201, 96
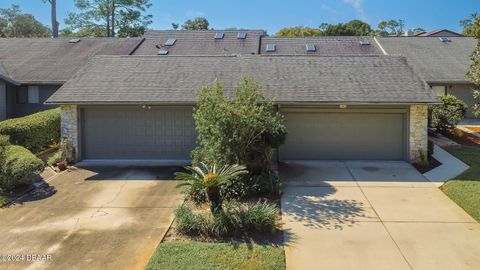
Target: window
311, 47
439, 90
170, 42
271, 48
242, 35
28, 95
218, 35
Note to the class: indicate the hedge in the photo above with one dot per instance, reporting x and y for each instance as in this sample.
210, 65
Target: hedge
19, 167
35, 132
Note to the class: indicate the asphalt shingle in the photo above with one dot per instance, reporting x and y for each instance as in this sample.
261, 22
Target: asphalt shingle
201, 42
302, 79
325, 46
48, 60
436, 61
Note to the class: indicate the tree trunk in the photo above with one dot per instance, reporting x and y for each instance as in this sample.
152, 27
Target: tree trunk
108, 26
53, 4
113, 19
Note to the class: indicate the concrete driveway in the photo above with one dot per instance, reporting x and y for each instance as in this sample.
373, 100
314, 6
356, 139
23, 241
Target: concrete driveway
372, 215
99, 218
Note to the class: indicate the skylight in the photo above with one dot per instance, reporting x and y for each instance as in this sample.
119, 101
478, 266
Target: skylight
242, 35
311, 48
74, 40
218, 35
445, 39
364, 41
170, 42
271, 48
163, 52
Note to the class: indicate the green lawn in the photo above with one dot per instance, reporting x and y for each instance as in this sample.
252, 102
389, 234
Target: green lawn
465, 188
221, 256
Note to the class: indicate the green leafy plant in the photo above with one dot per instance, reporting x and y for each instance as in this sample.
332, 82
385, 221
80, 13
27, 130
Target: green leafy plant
235, 219
210, 179
447, 115
55, 158
19, 167
35, 132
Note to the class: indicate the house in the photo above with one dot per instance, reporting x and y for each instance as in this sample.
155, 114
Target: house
139, 107
32, 69
442, 62
438, 33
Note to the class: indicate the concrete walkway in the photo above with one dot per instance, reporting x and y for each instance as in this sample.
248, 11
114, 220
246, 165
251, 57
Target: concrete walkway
98, 218
362, 215
450, 168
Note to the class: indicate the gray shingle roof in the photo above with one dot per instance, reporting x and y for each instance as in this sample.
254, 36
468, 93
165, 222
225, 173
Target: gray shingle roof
436, 61
326, 46
47, 60
201, 42
176, 79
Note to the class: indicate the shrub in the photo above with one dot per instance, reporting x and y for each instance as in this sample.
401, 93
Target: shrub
55, 158
243, 130
19, 167
447, 115
234, 219
210, 179
34, 132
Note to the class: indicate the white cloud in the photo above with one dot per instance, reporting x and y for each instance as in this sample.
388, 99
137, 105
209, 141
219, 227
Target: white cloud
358, 7
192, 14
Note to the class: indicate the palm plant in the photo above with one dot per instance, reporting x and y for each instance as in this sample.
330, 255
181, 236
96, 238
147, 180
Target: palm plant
210, 179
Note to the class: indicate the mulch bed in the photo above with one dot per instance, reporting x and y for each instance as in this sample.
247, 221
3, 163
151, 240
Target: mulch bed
474, 129
432, 164
462, 137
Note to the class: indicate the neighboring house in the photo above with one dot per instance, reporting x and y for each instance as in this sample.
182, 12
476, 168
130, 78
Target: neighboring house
318, 46
438, 33
336, 107
207, 42
32, 69
443, 63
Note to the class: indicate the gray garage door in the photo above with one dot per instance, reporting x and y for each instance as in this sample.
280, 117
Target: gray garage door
159, 133
335, 135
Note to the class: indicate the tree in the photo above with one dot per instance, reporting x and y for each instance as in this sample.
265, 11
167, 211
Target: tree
471, 26
175, 26
299, 31
53, 14
474, 75
197, 24
351, 28
14, 23
116, 17
391, 27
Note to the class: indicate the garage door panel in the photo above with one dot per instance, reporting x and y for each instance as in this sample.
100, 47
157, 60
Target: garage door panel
343, 135
166, 133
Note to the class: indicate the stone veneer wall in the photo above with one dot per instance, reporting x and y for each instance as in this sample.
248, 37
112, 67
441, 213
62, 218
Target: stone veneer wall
69, 131
418, 133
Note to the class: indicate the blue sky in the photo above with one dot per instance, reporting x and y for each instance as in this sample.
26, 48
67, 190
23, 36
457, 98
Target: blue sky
272, 16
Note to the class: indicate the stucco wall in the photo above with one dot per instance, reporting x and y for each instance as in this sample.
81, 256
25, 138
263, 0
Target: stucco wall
70, 131
418, 133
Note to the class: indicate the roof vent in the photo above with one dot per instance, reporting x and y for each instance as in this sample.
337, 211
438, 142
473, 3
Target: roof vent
170, 42
242, 35
163, 52
444, 39
74, 40
218, 35
271, 47
311, 48
364, 41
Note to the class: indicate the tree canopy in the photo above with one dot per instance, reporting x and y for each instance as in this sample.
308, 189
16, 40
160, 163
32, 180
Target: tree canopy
14, 23
108, 18
199, 23
474, 73
471, 26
